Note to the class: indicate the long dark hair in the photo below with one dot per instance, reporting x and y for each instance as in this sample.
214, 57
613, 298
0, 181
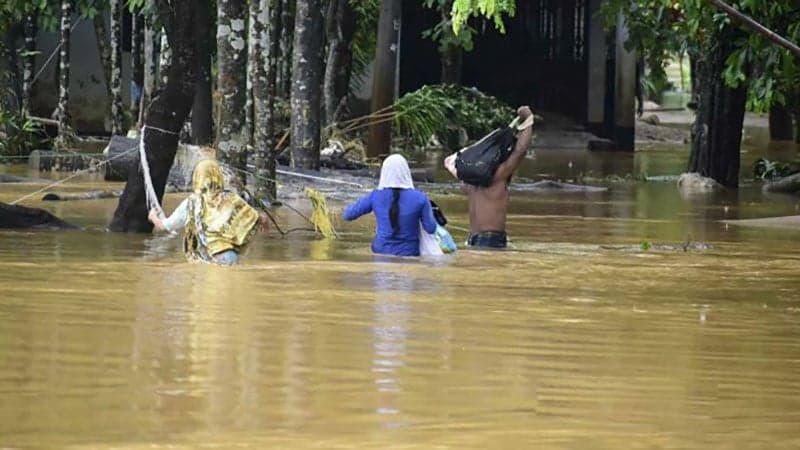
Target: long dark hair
394, 211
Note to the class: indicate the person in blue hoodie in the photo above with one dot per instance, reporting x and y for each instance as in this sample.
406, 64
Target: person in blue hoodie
402, 213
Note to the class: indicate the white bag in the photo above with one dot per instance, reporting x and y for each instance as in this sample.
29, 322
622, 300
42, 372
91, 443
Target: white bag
428, 246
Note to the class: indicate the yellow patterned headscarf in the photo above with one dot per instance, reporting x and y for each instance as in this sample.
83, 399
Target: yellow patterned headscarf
218, 220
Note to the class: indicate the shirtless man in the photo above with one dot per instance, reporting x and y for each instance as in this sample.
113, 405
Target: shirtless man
488, 205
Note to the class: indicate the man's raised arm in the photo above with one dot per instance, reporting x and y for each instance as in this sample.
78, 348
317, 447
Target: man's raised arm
507, 168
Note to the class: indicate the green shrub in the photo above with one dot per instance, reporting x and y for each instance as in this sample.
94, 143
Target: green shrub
19, 136
431, 109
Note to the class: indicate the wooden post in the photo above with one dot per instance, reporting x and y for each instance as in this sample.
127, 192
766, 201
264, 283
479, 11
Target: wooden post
384, 75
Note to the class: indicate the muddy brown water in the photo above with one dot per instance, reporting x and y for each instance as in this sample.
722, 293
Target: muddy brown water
573, 339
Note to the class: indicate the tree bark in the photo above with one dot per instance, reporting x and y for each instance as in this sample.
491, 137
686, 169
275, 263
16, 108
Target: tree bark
137, 64
65, 132
781, 127
452, 55
164, 58
340, 28
29, 62
202, 109
717, 131
115, 82
266, 162
232, 136
287, 40
101, 36
384, 75
263, 80
307, 84
151, 45
165, 115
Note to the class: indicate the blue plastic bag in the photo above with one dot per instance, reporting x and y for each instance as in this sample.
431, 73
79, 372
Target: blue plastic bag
445, 241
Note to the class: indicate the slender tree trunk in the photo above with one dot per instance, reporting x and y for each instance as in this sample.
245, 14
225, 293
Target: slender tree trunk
341, 26
116, 68
29, 62
65, 132
717, 131
11, 83
150, 72
262, 93
254, 26
452, 61
780, 123
384, 75
265, 167
232, 136
287, 40
307, 83
165, 115
102, 37
202, 109
137, 65
452, 55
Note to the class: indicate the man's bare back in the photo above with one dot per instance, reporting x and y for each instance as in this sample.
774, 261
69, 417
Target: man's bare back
488, 205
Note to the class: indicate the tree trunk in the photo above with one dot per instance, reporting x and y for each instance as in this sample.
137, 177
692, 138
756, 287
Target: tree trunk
151, 43
452, 59
137, 64
384, 75
340, 28
65, 133
717, 131
452, 55
165, 115
780, 123
265, 163
307, 84
101, 36
202, 109
232, 137
164, 58
11, 79
115, 82
29, 62
287, 40
262, 78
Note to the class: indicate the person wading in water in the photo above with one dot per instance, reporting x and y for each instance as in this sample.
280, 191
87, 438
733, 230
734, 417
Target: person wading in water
218, 223
401, 212
488, 205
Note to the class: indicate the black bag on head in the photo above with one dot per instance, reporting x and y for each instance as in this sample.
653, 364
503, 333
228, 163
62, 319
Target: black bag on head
477, 163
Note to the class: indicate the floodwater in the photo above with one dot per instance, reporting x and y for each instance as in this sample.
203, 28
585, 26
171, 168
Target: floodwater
574, 339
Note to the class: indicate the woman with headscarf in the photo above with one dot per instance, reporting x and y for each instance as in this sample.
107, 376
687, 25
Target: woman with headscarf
218, 223
399, 210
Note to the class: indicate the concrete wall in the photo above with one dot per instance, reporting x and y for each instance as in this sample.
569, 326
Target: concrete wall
89, 103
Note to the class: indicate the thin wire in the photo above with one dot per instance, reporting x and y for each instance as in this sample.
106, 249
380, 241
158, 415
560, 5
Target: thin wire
75, 175
50, 58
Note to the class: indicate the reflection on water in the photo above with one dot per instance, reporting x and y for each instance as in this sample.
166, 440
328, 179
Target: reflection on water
572, 339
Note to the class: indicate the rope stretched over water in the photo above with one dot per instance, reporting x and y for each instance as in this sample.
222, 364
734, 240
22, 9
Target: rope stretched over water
75, 175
